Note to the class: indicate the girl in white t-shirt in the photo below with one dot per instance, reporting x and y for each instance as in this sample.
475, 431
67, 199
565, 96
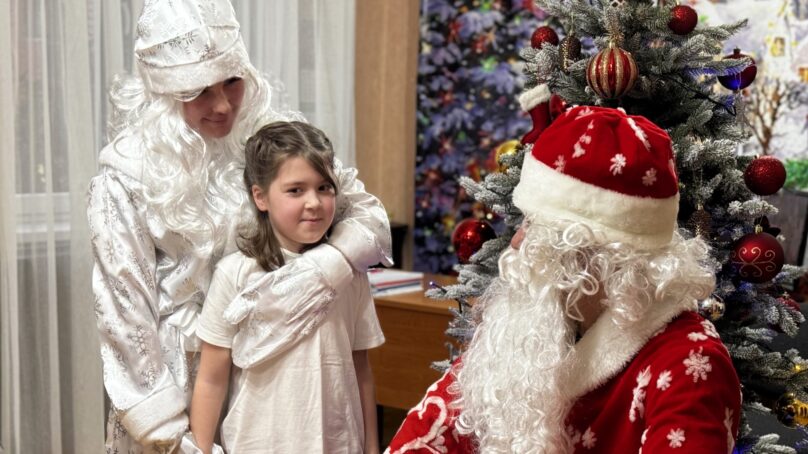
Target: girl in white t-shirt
315, 393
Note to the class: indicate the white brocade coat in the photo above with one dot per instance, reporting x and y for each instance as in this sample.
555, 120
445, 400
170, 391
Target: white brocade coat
150, 283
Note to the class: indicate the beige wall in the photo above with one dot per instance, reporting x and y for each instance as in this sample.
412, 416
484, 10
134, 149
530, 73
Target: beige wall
386, 73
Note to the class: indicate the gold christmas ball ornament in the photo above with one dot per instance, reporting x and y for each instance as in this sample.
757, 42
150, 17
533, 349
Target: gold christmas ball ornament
510, 147
791, 411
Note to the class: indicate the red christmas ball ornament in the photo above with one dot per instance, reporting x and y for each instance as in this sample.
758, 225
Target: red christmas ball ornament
468, 237
543, 34
765, 175
757, 257
744, 78
683, 19
612, 72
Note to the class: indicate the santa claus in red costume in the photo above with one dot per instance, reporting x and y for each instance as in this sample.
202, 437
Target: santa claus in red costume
589, 340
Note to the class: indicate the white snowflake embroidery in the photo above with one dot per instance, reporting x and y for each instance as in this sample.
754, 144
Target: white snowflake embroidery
140, 340
650, 177
676, 437
639, 133
578, 147
578, 150
697, 337
588, 439
637, 405
584, 112
618, 162
591, 125
698, 365
664, 380
560, 163
728, 425
709, 329
149, 376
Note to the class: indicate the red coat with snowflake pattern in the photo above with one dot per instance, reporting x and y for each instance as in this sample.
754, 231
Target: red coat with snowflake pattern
678, 393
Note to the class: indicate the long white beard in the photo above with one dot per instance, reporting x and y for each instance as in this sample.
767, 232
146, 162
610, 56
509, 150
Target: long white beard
511, 382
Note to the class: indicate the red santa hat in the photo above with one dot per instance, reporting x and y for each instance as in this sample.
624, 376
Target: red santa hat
612, 171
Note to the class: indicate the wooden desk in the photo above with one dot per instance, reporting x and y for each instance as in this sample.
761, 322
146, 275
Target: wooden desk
414, 328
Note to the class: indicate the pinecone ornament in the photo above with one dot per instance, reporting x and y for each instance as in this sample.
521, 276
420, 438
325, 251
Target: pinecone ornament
617, 3
700, 222
569, 51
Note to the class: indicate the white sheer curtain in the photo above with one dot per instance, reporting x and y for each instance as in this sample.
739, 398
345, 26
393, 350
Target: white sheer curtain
57, 58
51, 382
309, 46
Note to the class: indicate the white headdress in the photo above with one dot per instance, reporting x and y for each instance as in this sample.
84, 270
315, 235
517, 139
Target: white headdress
183, 46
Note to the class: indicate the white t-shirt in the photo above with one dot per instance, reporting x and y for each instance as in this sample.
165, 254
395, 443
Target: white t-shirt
306, 399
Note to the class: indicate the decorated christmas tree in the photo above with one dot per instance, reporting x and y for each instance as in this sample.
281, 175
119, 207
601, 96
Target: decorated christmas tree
651, 59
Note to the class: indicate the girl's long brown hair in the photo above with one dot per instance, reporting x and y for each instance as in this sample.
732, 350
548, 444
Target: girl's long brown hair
266, 151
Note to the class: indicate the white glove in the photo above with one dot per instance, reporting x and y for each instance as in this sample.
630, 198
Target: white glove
285, 305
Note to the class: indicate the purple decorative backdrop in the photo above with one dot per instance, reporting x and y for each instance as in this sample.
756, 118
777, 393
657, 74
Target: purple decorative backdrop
468, 83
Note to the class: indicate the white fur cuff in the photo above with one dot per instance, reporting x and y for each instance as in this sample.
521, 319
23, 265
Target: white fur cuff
535, 96
154, 411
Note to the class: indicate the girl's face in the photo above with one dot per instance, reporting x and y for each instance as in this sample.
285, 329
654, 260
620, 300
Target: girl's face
214, 111
300, 203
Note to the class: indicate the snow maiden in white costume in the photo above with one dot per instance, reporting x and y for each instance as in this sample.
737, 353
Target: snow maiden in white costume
162, 211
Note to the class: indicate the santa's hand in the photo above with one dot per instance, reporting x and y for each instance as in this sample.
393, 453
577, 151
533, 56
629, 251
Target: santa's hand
285, 305
188, 446
166, 437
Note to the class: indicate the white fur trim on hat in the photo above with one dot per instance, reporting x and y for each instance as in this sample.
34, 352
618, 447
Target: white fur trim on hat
534, 97
645, 222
